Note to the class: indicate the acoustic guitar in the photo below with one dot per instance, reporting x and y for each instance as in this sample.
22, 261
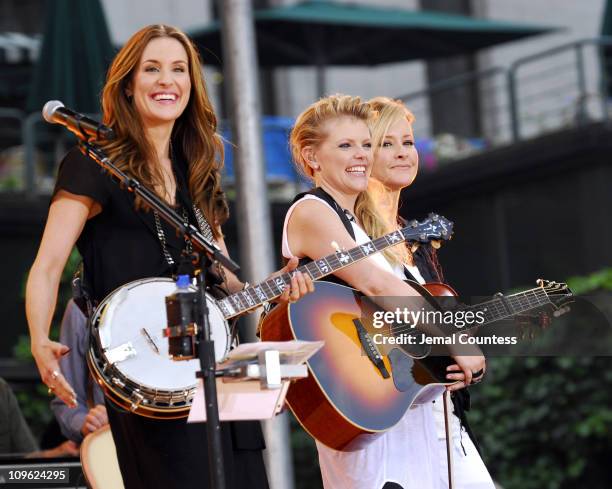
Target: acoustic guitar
358, 388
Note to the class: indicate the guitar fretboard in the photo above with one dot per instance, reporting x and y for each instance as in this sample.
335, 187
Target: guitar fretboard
504, 307
253, 296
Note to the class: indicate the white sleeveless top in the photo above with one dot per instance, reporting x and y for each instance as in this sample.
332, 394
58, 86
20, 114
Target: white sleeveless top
360, 238
407, 454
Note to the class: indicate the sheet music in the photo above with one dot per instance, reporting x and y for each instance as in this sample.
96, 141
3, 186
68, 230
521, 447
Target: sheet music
239, 401
291, 352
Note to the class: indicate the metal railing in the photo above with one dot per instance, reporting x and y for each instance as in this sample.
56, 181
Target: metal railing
566, 86
29, 152
575, 97
11, 133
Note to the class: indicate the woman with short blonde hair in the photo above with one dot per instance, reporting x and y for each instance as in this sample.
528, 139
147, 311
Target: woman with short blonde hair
331, 144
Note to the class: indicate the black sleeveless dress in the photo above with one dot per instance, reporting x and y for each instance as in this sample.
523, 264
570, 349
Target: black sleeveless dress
120, 245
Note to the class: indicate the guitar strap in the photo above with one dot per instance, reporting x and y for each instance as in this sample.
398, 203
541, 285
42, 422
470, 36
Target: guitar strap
409, 275
81, 294
323, 195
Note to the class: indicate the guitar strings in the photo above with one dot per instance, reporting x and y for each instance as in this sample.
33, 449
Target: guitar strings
324, 266
493, 303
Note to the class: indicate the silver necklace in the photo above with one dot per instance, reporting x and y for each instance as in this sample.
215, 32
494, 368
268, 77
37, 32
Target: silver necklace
203, 226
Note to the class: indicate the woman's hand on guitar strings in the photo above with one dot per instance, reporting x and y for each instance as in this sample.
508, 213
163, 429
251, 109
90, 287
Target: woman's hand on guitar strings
301, 284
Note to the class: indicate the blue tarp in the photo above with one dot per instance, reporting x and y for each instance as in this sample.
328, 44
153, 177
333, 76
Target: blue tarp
279, 165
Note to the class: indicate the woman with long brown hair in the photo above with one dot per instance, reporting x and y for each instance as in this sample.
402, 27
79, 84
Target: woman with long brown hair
156, 102
332, 145
395, 166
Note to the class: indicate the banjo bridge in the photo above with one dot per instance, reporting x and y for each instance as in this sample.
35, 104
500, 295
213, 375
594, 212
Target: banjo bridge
150, 340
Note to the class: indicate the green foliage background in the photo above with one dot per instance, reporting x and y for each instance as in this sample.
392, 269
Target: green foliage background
542, 422
546, 422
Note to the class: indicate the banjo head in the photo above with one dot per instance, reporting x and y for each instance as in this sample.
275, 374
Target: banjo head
132, 352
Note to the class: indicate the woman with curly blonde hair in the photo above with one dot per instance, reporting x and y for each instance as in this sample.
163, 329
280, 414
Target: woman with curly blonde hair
332, 145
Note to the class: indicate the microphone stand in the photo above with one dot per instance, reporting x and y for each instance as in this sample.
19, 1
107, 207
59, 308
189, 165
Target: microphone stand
205, 344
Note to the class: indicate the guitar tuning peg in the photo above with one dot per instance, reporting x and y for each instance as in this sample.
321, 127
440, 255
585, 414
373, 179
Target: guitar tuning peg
435, 243
561, 311
540, 282
414, 247
435, 217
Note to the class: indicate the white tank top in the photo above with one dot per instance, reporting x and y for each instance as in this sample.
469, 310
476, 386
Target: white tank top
409, 453
360, 238
406, 454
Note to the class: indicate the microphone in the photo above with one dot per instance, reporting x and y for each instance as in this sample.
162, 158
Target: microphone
83, 127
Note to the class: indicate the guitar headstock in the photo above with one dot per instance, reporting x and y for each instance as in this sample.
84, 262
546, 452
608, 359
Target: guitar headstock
559, 294
435, 227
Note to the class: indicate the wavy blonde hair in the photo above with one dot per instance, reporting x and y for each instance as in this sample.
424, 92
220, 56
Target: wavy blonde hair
387, 112
310, 130
194, 132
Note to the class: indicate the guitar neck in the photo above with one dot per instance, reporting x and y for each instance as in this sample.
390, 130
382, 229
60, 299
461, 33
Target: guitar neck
255, 295
504, 307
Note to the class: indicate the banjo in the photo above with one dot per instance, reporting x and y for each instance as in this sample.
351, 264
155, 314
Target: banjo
129, 352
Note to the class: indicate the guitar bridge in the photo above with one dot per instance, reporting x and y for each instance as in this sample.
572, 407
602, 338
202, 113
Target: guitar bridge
370, 348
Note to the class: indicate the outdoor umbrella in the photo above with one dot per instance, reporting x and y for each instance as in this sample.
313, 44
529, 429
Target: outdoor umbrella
75, 54
321, 33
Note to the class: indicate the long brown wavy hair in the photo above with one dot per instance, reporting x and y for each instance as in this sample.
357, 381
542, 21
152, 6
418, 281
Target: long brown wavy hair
309, 130
194, 132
